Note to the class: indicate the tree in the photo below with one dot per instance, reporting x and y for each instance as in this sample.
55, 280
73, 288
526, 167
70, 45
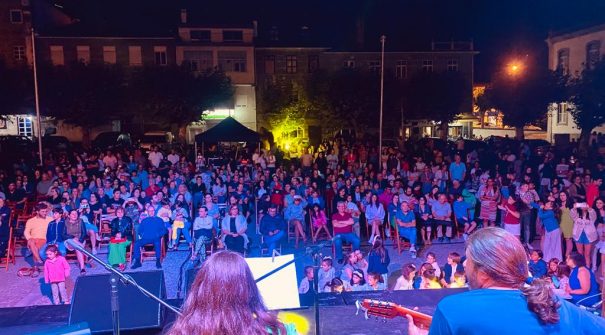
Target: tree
437, 96
82, 95
176, 95
588, 100
524, 97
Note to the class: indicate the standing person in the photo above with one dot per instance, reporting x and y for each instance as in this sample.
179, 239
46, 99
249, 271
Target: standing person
406, 225
512, 215
35, 234
496, 267
56, 270
343, 230
488, 196
378, 260
224, 299
584, 231
565, 205
551, 241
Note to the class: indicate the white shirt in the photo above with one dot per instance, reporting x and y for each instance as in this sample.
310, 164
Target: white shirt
173, 158
155, 157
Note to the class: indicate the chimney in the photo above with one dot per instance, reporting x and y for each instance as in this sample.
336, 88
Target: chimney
183, 15
255, 27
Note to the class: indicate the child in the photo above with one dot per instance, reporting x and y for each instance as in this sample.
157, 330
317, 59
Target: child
453, 265
432, 259
375, 282
325, 274
319, 221
357, 283
429, 280
165, 214
306, 284
562, 281
461, 208
406, 280
179, 224
117, 251
553, 266
56, 270
378, 259
335, 286
459, 279
537, 266
600, 248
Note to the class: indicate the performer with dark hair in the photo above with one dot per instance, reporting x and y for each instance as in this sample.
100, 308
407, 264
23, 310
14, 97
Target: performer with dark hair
224, 300
500, 301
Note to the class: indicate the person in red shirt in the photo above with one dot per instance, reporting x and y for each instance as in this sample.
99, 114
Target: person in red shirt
512, 214
343, 230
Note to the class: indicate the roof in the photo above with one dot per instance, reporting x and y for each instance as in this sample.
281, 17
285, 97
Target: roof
554, 37
228, 130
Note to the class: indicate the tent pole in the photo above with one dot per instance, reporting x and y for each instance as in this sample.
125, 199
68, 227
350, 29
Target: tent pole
195, 150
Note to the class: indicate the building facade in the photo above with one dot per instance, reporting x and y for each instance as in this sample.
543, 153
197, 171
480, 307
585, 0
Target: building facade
571, 53
15, 32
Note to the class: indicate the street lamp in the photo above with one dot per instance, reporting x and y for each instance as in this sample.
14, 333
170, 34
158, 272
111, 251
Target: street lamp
382, 40
514, 68
36, 96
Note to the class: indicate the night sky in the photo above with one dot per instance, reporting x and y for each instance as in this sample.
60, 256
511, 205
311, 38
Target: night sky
500, 29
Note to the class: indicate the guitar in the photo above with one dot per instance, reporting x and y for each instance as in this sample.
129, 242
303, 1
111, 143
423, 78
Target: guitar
389, 310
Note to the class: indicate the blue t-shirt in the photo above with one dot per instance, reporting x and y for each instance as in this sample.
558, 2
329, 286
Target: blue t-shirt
406, 217
504, 312
457, 171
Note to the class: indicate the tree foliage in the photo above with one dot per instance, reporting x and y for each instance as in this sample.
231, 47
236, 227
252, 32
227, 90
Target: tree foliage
587, 94
524, 98
176, 95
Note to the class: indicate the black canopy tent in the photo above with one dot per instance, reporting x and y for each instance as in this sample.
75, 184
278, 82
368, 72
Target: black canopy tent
228, 130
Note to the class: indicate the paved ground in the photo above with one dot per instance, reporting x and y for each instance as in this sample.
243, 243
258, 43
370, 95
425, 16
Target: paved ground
19, 292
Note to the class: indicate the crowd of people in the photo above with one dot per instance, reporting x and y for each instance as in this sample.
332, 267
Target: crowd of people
343, 191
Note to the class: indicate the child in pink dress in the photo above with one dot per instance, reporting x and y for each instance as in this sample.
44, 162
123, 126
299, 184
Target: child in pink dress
319, 221
56, 270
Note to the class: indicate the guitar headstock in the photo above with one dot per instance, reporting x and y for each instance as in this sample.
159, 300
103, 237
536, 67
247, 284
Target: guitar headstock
382, 309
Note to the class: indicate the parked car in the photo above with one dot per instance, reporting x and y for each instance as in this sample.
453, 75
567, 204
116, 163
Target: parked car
12, 144
162, 139
111, 139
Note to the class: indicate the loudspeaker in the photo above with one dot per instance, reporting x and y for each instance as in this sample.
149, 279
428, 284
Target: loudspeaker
91, 302
190, 278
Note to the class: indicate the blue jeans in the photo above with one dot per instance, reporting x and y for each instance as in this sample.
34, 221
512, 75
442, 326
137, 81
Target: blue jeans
60, 245
272, 241
186, 232
140, 243
348, 237
408, 233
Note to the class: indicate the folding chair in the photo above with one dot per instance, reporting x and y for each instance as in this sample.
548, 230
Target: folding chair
10, 251
146, 253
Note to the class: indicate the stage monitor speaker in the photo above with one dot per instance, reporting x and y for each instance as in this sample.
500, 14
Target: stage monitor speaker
91, 302
77, 329
191, 273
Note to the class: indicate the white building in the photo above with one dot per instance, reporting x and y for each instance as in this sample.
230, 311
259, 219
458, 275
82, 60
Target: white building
572, 52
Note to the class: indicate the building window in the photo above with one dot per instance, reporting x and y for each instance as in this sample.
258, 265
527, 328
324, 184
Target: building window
269, 64
135, 57
562, 113
563, 61
349, 64
401, 69
593, 54
16, 16
452, 65
427, 65
200, 35
19, 53
313, 63
291, 64
109, 55
374, 66
83, 54
198, 60
160, 56
56, 55
232, 61
233, 36
24, 126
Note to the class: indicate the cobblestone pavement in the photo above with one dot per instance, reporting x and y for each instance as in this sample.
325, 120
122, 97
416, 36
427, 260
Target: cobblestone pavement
26, 291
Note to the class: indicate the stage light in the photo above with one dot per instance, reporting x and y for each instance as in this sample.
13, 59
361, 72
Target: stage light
300, 322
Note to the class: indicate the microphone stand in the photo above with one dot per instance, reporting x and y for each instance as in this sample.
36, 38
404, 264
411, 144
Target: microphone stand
113, 281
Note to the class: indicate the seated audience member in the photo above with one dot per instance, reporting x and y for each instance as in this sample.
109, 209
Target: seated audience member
406, 280
121, 237
319, 222
151, 230
496, 266
325, 274
76, 233
442, 216
272, 228
343, 230
432, 259
583, 286
537, 266
295, 214
453, 265
406, 223
357, 282
56, 234
35, 234
375, 282
5, 214
459, 280
234, 228
306, 284
202, 233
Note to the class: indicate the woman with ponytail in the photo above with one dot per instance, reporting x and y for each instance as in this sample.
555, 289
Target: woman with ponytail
501, 301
